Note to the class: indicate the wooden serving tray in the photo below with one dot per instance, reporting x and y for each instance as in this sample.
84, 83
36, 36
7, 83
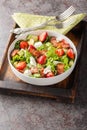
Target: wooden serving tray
63, 91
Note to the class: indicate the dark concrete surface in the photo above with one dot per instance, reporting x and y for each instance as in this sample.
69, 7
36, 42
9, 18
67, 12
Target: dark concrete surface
35, 113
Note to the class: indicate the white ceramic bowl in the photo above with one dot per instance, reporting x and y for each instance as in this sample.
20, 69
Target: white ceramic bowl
43, 81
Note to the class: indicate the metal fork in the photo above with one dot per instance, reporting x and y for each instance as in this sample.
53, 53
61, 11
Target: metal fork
59, 21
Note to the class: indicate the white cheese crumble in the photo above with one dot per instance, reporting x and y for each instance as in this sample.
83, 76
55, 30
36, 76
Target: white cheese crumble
27, 72
32, 61
37, 44
56, 62
47, 69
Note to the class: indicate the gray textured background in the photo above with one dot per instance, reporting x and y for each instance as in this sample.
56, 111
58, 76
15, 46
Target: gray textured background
35, 113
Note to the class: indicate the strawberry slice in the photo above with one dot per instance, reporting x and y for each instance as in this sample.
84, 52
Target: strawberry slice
23, 44
42, 37
20, 65
70, 53
42, 59
31, 47
60, 52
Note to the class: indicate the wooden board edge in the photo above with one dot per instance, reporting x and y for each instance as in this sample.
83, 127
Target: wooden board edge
6, 48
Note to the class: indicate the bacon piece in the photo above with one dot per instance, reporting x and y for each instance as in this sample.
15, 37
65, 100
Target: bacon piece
41, 70
65, 44
60, 68
14, 52
34, 70
54, 41
34, 51
43, 52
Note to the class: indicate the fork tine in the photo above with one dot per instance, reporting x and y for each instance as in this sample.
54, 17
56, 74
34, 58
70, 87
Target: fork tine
66, 13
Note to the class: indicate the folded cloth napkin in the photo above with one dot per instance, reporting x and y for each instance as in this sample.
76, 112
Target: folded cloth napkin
25, 20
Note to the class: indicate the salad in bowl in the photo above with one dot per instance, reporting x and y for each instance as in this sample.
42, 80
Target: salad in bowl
42, 57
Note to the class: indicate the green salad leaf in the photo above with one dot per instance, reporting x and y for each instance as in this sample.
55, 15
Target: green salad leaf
27, 56
17, 58
51, 52
17, 45
42, 47
65, 60
51, 64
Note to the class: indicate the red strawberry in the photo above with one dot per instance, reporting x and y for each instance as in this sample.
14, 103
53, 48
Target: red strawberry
42, 37
60, 52
23, 44
70, 53
42, 59
20, 65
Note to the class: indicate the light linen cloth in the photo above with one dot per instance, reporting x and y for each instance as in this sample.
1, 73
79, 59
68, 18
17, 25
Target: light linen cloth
25, 20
